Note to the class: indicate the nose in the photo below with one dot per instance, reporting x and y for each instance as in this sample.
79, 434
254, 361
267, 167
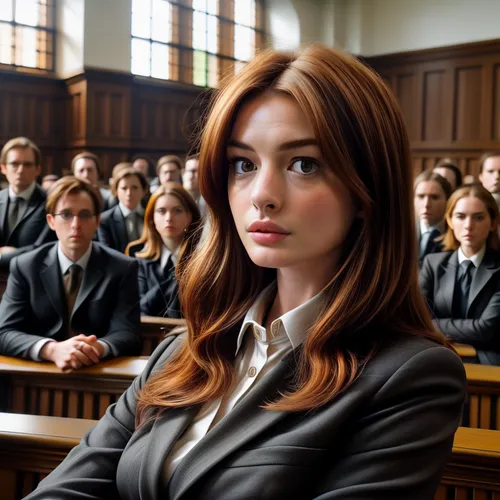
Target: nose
427, 201
468, 223
75, 222
268, 189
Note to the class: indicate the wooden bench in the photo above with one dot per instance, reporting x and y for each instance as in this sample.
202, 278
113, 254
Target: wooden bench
482, 409
42, 389
154, 329
466, 352
473, 471
31, 447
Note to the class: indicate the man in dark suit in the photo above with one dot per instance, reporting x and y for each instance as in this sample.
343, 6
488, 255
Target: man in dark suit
23, 225
73, 302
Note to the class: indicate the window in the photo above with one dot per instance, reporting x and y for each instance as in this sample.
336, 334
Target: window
194, 41
27, 34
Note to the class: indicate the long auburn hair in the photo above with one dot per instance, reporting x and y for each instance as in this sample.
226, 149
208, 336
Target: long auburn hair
150, 237
450, 242
374, 295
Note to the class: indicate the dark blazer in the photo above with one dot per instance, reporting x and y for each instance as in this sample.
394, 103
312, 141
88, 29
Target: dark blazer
431, 246
31, 231
112, 230
34, 304
388, 436
481, 327
158, 289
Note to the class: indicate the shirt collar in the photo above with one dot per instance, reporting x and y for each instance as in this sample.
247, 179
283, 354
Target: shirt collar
25, 195
425, 228
294, 324
126, 211
476, 259
65, 263
165, 254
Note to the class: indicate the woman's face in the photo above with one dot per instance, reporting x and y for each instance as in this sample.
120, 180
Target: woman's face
471, 223
170, 217
130, 192
289, 207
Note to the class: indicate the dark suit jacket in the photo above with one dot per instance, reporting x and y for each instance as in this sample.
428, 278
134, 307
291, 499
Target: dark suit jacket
31, 231
387, 437
431, 247
481, 327
34, 304
112, 230
158, 289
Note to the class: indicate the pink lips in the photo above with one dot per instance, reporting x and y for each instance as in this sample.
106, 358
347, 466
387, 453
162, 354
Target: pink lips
267, 232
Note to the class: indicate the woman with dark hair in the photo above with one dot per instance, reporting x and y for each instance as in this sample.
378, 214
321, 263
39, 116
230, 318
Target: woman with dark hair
310, 368
170, 234
462, 284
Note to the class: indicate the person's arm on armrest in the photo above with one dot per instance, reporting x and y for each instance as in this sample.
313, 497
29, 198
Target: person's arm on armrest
404, 438
89, 470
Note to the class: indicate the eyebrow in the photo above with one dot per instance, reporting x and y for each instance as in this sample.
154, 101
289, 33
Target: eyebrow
475, 213
285, 146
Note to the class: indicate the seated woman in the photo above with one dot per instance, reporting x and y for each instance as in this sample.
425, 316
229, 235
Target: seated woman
124, 222
310, 368
170, 235
430, 194
462, 284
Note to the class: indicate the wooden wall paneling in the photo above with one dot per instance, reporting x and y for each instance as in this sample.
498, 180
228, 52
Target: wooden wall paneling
406, 90
495, 118
76, 112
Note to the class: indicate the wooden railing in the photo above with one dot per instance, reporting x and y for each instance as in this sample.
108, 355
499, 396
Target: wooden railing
42, 389
32, 447
154, 329
473, 472
466, 352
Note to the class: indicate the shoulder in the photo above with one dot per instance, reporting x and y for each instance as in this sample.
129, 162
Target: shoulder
436, 259
32, 259
112, 256
108, 215
164, 352
39, 193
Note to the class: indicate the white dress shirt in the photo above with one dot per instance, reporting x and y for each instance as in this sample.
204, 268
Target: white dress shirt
258, 351
476, 259
166, 254
25, 195
130, 223
64, 265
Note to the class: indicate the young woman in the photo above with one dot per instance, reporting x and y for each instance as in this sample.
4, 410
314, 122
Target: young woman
311, 368
170, 235
462, 284
431, 191
124, 222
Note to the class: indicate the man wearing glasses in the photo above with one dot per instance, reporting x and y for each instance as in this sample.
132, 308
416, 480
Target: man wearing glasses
22, 204
73, 302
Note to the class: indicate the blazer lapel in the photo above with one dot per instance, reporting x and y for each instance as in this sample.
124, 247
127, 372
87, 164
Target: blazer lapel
91, 278
4, 201
447, 282
227, 436
483, 274
120, 228
33, 203
51, 279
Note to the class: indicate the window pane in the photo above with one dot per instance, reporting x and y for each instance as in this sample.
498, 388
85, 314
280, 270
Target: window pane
26, 47
141, 18
213, 75
27, 12
244, 42
5, 43
6, 10
212, 7
244, 12
159, 61
199, 31
141, 63
161, 21
212, 34
200, 68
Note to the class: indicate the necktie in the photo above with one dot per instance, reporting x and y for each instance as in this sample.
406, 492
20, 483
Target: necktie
133, 229
464, 282
426, 239
14, 212
72, 280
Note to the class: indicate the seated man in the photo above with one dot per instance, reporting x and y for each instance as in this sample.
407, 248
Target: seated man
72, 302
23, 225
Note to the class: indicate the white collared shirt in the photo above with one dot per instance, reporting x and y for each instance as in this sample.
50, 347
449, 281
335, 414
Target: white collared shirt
25, 195
64, 264
130, 223
166, 254
258, 351
476, 259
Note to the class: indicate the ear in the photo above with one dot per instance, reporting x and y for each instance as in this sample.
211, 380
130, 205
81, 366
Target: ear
480, 177
4, 169
51, 221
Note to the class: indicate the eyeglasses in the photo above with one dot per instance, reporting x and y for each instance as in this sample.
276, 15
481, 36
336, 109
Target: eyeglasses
16, 164
67, 215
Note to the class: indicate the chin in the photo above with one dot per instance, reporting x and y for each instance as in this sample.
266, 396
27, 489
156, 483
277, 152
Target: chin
272, 258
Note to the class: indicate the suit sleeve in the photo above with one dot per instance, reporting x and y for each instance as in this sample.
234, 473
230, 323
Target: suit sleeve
404, 438
89, 470
479, 332
124, 336
14, 308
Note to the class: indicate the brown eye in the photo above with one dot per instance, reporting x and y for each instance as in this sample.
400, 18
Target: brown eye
304, 166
